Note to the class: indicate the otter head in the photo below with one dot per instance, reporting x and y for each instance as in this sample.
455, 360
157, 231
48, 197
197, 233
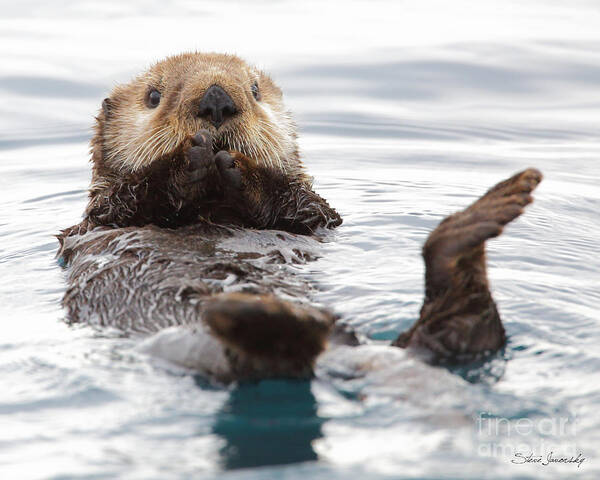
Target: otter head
155, 115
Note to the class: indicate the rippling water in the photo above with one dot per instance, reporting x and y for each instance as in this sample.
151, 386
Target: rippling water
407, 112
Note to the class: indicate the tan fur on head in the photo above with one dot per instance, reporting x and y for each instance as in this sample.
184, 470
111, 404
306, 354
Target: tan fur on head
131, 136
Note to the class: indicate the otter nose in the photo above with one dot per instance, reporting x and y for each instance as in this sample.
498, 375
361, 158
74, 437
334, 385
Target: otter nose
216, 106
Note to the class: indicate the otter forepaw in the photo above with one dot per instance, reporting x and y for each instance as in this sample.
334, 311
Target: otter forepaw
200, 163
229, 169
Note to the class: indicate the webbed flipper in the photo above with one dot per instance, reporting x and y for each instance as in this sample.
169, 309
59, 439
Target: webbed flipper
459, 319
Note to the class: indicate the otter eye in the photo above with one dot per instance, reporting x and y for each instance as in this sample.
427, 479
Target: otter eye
255, 91
153, 98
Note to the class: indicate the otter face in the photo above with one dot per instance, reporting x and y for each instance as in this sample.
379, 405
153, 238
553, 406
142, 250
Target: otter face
155, 114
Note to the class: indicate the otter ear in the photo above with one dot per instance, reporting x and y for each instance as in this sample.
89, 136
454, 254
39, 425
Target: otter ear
106, 106
97, 142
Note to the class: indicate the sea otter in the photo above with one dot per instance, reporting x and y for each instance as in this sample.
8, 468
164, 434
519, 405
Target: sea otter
153, 152
199, 200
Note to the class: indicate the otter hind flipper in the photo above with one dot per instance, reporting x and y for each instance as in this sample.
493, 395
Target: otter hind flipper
267, 336
459, 319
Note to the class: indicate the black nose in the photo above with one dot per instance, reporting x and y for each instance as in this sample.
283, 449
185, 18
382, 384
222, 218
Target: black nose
216, 106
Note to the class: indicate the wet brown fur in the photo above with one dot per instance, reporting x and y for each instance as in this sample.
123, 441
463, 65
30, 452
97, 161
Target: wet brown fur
459, 318
146, 166
268, 334
148, 253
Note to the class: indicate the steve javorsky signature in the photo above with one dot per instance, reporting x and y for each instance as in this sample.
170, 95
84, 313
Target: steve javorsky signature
521, 458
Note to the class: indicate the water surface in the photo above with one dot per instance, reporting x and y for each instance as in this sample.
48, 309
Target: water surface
407, 112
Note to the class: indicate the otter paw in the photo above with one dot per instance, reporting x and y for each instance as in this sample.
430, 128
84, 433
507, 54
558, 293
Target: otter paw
200, 162
229, 169
520, 184
268, 336
464, 231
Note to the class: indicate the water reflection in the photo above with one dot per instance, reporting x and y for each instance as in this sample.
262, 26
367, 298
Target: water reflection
272, 422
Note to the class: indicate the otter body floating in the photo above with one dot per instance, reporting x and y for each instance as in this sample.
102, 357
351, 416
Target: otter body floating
199, 199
